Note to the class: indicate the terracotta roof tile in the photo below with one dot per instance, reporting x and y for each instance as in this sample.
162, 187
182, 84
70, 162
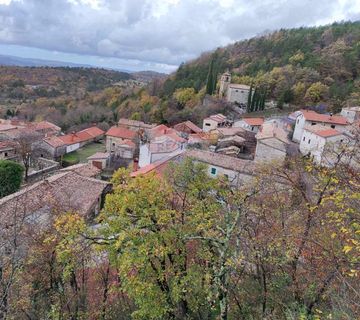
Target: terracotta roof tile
43, 125
217, 117
192, 126
123, 133
254, 121
317, 117
159, 167
323, 131
55, 141
93, 132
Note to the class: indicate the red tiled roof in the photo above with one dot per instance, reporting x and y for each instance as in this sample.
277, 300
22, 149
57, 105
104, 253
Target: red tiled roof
254, 121
72, 138
317, 117
93, 132
121, 133
159, 130
217, 117
82, 136
54, 141
189, 125
158, 167
43, 125
323, 132
163, 130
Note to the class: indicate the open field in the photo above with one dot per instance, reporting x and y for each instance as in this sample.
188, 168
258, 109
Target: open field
81, 155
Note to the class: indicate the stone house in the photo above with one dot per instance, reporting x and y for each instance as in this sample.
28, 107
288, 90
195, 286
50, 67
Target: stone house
160, 142
352, 114
121, 142
249, 124
54, 147
307, 118
7, 150
237, 171
215, 121
59, 193
46, 128
76, 140
272, 144
187, 127
319, 142
99, 160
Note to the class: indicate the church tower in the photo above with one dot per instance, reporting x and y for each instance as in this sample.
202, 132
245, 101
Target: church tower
225, 80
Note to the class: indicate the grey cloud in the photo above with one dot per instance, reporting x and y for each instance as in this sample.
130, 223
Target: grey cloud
134, 29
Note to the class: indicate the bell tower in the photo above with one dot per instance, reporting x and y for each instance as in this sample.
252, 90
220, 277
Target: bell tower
225, 80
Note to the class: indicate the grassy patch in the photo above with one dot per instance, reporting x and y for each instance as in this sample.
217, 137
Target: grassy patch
81, 155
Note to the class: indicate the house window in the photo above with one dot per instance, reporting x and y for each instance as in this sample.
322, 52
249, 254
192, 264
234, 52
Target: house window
298, 120
113, 144
252, 128
309, 141
208, 124
6, 154
333, 126
303, 138
213, 171
313, 123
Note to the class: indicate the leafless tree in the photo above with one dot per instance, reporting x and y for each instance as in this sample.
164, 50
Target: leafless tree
26, 148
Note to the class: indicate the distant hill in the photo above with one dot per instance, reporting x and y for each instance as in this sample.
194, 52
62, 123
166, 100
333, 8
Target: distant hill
92, 78
143, 76
301, 66
29, 62
147, 76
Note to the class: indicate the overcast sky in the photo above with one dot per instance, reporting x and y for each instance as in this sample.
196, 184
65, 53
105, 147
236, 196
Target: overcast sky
150, 34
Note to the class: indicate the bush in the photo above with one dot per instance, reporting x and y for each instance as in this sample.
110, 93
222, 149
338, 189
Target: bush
11, 177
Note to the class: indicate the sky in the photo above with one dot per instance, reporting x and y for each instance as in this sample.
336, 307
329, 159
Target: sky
150, 34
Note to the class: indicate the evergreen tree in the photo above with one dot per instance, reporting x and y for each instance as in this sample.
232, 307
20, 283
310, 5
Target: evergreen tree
248, 106
253, 100
210, 79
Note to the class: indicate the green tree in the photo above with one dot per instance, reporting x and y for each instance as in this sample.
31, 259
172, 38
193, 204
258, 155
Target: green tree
11, 176
210, 87
250, 96
149, 248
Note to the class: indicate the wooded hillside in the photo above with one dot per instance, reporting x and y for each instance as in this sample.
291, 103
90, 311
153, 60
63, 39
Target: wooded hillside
303, 65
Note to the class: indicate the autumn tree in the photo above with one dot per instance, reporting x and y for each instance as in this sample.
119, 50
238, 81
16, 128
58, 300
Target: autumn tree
317, 92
